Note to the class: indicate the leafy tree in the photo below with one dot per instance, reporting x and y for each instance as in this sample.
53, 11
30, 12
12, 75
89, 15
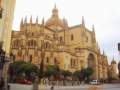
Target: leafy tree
66, 73
78, 74
83, 74
88, 72
20, 67
52, 70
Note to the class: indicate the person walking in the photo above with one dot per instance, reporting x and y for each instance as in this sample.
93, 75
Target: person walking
2, 83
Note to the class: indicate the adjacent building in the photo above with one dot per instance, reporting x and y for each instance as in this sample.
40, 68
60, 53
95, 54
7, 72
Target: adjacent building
70, 47
6, 19
113, 70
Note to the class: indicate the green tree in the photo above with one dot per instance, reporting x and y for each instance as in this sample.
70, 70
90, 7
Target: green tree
88, 72
78, 75
21, 67
66, 73
52, 70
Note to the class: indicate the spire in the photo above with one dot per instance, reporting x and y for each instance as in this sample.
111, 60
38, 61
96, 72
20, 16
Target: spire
103, 52
31, 19
55, 11
97, 45
25, 21
83, 22
65, 22
21, 24
93, 28
43, 21
99, 49
37, 20
113, 61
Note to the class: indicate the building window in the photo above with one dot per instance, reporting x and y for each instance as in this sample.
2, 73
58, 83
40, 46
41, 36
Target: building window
86, 39
72, 37
31, 43
61, 39
16, 43
30, 58
47, 60
47, 45
72, 62
55, 61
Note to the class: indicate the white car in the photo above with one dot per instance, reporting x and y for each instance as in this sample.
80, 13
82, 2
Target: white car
94, 82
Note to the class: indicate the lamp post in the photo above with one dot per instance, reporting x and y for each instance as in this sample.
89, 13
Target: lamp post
41, 69
42, 58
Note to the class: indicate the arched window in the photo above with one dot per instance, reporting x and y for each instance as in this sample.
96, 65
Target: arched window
31, 43
55, 60
47, 59
72, 62
16, 43
61, 39
47, 45
30, 58
72, 37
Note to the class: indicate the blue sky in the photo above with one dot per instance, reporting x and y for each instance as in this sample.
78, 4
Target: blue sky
104, 14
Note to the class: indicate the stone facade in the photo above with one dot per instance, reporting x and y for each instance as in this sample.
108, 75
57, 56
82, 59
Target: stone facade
113, 70
71, 48
6, 19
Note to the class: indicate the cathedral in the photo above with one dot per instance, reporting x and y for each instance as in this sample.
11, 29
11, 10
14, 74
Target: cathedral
70, 47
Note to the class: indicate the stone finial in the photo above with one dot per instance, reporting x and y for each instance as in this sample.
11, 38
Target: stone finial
113, 61
65, 22
43, 21
21, 23
103, 52
37, 20
31, 19
25, 20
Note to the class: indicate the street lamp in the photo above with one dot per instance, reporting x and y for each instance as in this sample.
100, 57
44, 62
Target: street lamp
41, 70
42, 57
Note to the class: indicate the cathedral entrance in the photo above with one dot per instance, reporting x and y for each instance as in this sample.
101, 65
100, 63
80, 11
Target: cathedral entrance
91, 64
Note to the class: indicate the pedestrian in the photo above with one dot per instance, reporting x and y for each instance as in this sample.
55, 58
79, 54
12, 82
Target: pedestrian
2, 83
52, 87
8, 87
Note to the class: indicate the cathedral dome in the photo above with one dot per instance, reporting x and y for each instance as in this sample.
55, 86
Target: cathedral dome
54, 20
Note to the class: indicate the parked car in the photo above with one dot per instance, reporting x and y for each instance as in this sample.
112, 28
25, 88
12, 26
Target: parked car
24, 81
94, 82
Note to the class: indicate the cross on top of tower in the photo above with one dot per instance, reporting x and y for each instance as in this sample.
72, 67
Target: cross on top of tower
55, 11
